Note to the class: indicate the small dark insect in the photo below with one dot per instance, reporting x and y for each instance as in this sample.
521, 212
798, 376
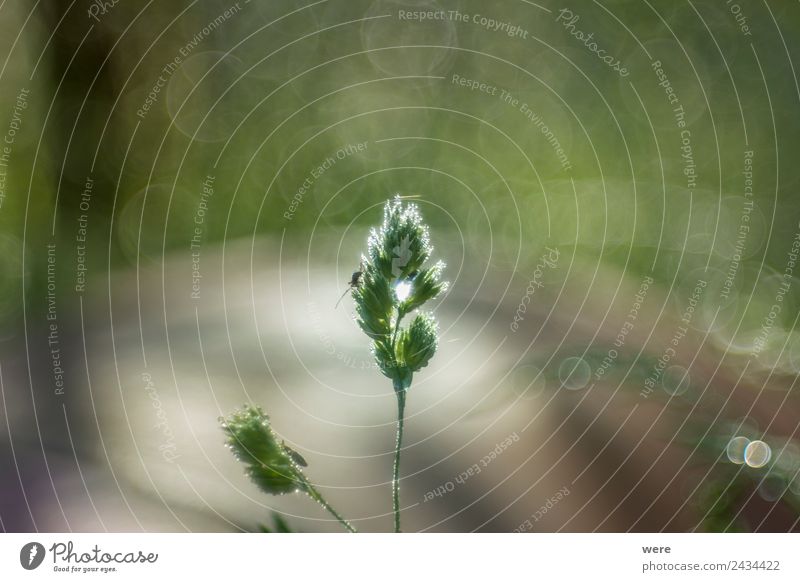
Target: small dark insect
296, 457
355, 281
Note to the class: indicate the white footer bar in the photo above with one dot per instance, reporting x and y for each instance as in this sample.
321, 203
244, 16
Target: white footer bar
387, 557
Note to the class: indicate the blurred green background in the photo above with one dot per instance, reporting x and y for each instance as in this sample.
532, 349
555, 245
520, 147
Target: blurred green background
186, 188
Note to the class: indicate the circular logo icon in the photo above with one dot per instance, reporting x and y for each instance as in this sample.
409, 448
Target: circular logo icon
31, 555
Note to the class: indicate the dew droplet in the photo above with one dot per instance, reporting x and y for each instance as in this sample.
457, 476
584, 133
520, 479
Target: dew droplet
675, 380
757, 454
402, 290
735, 449
574, 373
772, 488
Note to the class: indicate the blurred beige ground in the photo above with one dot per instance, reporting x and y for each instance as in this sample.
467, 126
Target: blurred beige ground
151, 453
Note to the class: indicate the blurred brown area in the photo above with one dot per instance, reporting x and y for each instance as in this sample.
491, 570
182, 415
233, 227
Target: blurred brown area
619, 455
